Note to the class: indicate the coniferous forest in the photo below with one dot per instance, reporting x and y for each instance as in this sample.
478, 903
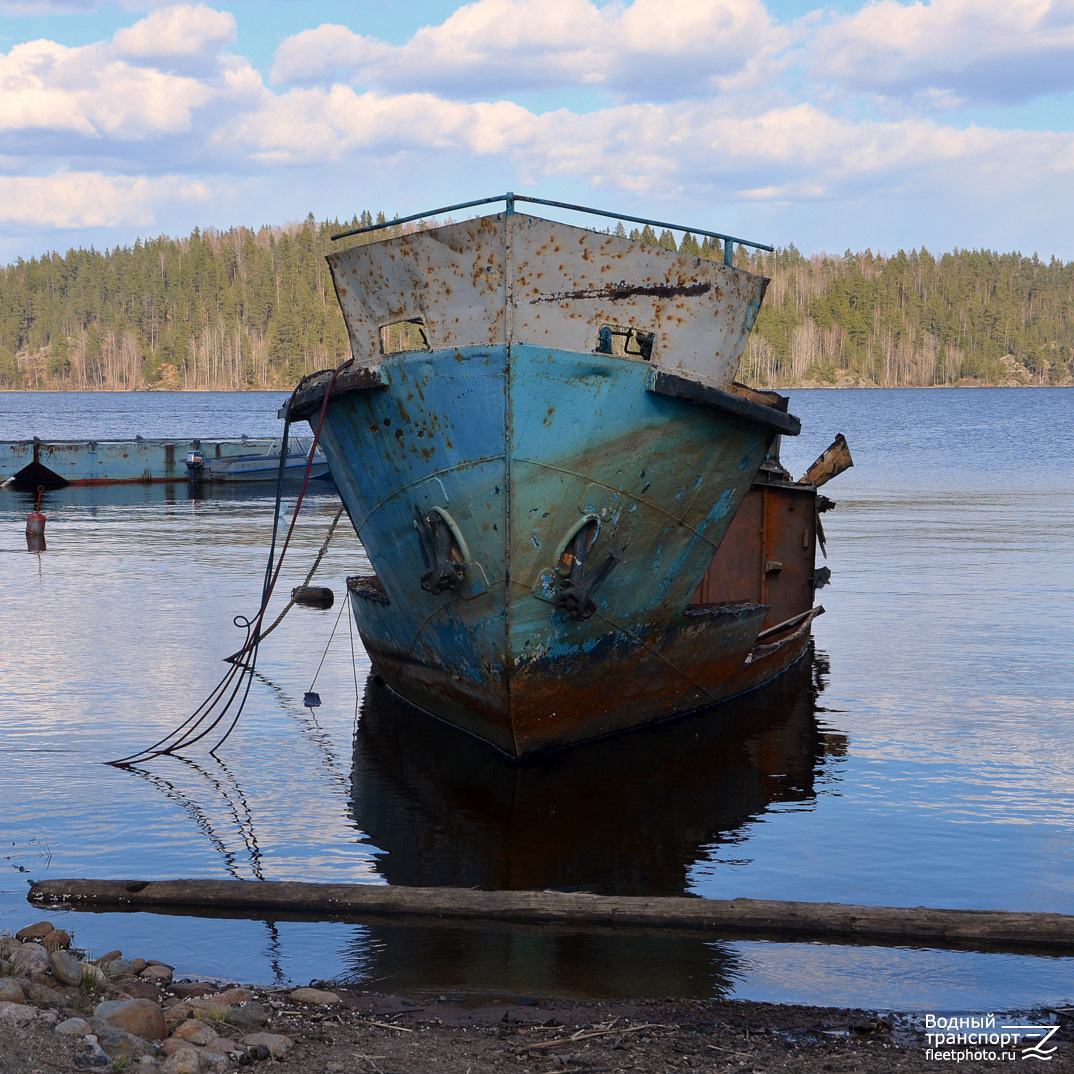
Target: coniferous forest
246, 309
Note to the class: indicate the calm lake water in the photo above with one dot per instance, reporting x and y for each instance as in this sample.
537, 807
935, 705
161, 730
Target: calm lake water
925, 757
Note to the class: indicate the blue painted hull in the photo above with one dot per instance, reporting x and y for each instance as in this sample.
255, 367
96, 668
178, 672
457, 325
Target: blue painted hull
517, 446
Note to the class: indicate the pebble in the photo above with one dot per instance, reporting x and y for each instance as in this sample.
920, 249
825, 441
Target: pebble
37, 931
141, 1017
19, 1013
11, 991
29, 959
93, 1054
65, 967
315, 997
277, 1044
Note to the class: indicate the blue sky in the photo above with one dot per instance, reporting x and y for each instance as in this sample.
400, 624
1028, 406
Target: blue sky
884, 125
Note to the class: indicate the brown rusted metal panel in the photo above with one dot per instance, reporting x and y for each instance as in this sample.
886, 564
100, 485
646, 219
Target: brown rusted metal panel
768, 553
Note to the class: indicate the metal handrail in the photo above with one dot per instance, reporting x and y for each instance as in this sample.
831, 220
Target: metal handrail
510, 198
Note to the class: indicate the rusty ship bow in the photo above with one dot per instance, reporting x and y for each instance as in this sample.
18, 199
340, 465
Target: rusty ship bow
574, 514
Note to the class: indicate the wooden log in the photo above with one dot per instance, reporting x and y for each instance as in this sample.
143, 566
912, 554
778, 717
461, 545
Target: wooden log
707, 918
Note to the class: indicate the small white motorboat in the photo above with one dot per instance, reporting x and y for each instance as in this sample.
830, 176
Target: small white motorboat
260, 467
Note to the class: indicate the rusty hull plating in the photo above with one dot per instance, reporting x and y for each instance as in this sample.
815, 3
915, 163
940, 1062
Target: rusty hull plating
562, 490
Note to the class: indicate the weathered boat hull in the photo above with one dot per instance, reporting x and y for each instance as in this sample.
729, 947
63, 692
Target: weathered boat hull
540, 510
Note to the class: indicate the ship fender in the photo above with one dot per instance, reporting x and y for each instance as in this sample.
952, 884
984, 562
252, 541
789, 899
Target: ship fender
35, 526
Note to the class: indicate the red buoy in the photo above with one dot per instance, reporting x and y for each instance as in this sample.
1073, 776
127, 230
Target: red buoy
35, 526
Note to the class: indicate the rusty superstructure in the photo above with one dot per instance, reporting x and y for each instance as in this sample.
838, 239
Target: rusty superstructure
576, 516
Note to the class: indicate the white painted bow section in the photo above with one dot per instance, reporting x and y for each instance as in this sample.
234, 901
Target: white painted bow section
521, 279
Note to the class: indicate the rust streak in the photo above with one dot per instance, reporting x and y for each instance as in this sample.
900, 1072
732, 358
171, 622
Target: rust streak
618, 291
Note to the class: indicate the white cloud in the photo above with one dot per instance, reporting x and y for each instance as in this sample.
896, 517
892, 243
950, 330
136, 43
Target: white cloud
48, 86
952, 53
118, 91
682, 133
176, 32
788, 153
90, 199
650, 49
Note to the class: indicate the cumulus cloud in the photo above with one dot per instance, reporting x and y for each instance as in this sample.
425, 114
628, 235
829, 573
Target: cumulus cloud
648, 50
793, 152
180, 32
91, 199
109, 90
952, 53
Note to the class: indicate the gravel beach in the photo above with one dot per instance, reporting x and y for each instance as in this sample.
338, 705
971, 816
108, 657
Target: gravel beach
59, 1012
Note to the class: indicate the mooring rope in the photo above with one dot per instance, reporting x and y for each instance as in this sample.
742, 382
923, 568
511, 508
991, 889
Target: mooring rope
214, 710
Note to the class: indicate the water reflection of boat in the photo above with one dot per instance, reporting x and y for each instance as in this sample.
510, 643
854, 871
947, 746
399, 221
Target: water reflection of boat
629, 815
576, 515
262, 466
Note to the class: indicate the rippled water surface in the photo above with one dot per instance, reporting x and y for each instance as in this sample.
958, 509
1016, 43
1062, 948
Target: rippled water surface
925, 757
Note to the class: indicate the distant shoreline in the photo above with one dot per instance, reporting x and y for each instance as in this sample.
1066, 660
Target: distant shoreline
807, 387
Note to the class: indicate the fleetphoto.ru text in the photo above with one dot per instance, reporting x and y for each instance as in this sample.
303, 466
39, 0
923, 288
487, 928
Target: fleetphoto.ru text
967, 1038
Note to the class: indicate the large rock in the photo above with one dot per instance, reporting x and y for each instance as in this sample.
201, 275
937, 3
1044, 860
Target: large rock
194, 1031
157, 972
120, 1044
56, 939
220, 1046
315, 997
43, 996
184, 1061
189, 989
142, 1017
8, 946
35, 932
232, 996
11, 991
175, 1044
249, 1016
19, 1013
73, 1027
136, 988
65, 967
277, 1044
29, 959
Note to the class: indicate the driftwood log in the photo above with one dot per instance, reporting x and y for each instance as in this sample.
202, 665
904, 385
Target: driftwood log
995, 930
